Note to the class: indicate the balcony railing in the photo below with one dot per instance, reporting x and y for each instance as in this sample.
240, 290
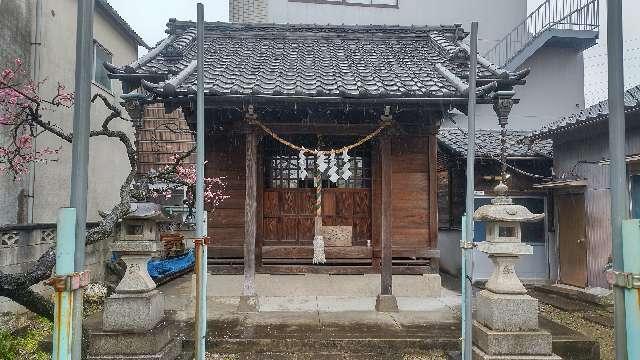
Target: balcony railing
551, 15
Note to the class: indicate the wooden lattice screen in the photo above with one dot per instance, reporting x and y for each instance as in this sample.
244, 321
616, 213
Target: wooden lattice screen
161, 137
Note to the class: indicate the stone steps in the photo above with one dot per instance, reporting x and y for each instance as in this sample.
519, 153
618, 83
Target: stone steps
356, 348
590, 297
559, 301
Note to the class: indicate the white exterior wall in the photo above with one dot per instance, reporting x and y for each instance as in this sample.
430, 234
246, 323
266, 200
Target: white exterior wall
15, 42
497, 17
108, 163
555, 88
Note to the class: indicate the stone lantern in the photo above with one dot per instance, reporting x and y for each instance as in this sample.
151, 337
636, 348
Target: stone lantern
136, 303
135, 312
506, 323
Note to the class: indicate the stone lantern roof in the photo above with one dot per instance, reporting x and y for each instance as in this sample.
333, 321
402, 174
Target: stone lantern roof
502, 209
146, 211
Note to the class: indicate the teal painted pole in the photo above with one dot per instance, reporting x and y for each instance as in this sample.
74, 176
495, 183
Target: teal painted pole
63, 302
631, 253
463, 278
201, 270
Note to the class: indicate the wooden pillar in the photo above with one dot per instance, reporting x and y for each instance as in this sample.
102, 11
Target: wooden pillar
386, 302
433, 200
249, 299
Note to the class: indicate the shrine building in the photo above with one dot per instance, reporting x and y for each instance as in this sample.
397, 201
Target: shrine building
279, 96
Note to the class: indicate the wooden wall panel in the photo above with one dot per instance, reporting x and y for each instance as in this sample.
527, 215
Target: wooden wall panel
412, 192
294, 211
225, 158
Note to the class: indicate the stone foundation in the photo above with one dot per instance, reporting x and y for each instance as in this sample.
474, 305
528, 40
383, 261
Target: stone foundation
513, 342
386, 303
161, 342
505, 312
133, 312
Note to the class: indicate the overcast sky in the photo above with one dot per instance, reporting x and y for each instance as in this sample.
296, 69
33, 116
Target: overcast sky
149, 18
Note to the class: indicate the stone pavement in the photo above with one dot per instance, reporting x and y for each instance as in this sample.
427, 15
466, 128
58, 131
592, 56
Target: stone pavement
179, 300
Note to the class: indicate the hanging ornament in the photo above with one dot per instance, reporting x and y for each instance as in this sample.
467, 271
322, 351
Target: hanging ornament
346, 172
333, 168
302, 163
321, 160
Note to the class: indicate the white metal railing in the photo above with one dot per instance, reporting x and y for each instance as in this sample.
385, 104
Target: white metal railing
550, 15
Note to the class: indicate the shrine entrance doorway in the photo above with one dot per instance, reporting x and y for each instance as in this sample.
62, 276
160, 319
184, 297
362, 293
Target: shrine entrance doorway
288, 209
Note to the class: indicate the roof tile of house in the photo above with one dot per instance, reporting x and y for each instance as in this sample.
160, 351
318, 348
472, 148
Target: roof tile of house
488, 143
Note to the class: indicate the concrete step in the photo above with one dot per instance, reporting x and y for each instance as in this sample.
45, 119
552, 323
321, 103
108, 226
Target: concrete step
358, 341
558, 300
593, 296
570, 344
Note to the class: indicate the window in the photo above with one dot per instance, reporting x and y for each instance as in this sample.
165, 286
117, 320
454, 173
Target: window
101, 56
365, 3
282, 169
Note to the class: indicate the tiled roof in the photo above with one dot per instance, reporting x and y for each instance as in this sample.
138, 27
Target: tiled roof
314, 61
488, 143
104, 5
588, 116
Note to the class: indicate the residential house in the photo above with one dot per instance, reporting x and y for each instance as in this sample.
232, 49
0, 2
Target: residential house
580, 189
527, 166
42, 34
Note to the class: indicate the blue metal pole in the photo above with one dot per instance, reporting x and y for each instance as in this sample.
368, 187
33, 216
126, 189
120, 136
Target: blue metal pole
631, 253
201, 271
63, 301
467, 337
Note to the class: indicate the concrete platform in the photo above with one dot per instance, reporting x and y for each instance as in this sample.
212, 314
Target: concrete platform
306, 296
367, 285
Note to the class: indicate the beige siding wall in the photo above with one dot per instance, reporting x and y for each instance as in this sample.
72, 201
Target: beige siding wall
108, 163
15, 42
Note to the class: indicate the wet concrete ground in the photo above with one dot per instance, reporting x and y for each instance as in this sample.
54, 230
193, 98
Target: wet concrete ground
347, 327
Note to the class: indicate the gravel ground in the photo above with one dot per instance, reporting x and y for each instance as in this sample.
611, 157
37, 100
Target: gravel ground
574, 321
436, 355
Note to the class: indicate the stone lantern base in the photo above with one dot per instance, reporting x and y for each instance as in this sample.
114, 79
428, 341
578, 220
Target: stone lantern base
159, 343
507, 328
133, 312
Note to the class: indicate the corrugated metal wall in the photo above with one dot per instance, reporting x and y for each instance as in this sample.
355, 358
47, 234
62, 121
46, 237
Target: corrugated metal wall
581, 154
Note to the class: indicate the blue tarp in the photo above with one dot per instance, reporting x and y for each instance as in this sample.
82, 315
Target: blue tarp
159, 268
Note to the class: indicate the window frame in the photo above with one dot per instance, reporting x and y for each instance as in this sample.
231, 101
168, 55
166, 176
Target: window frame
281, 168
371, 3
94, 80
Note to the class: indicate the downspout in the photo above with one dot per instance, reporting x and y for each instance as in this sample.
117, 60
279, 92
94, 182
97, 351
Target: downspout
35, 76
